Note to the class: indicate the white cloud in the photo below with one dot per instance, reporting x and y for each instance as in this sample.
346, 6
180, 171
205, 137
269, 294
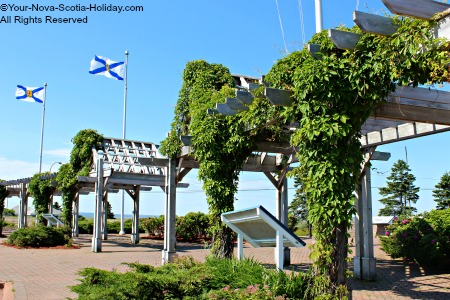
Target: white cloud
15, 169
62, 153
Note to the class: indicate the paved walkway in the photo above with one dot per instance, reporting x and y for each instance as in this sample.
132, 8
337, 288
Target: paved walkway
47, 273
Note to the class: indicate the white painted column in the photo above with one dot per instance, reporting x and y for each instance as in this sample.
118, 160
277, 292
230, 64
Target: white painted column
105, 217
97, 239
282, 215
364, 262
135, 237
75, 213
240, 248
170, 214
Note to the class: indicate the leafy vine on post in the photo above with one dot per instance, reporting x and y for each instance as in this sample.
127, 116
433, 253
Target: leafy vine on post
219, 143
3, 195
335, 92
41, 190
80, 164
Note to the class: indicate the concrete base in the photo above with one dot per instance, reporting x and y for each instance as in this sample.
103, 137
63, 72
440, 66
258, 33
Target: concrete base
168, 256
135, 238
287, 256
96, 244
364, 268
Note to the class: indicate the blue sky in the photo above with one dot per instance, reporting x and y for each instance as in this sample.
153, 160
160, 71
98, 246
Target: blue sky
245, 36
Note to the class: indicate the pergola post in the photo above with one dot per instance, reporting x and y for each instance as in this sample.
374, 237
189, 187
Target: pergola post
105, 217
135, 225
96, 239
23, 206
364, 261
75, 213
170, 214
282, 216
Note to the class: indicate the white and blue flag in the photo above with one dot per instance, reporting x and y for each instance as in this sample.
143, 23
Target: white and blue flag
104, 66
30, 94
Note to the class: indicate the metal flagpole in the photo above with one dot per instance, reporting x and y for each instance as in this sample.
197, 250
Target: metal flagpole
125, 89
319, 24
42, 129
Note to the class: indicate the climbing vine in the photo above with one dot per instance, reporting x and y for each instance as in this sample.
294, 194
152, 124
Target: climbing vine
3, 195
219, 143
41, 190
80, 164
335, 91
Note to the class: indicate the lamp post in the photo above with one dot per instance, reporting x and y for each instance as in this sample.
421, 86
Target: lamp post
56, 162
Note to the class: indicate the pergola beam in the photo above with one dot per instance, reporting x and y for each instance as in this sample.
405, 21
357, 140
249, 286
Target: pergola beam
420, 9
375, 24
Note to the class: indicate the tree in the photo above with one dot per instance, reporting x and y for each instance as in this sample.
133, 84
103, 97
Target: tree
109, 212
400, 191
3, 195
298, 209
442, 193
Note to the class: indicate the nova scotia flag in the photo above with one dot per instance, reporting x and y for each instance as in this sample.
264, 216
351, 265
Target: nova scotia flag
104, 66
30, 94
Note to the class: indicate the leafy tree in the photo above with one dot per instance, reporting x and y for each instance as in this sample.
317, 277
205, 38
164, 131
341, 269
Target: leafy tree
109, 212
9, 212
442, 192
298, 209
3, 194
400, 191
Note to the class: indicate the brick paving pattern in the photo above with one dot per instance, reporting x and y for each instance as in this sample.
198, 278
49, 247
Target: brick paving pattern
47, 273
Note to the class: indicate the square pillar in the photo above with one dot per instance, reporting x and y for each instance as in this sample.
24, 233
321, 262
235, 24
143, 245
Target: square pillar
135, 225
364, 261
169, 252
97, 239
75, 213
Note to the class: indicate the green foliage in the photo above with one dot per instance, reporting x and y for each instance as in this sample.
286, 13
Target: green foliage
86, 225
39, 236
154, 226
3, 194
9, 212
221, 144
400, 191
334, 93
442, 192
41, 191
109, 212
192, 226
83, 142
114, 226
214, 279
298, 210
80, 164
424, 238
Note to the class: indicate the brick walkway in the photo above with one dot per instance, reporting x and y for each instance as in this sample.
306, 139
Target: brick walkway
47, 273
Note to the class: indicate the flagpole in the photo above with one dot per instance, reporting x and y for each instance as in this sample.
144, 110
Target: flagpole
319, 23
42, 129
124, 127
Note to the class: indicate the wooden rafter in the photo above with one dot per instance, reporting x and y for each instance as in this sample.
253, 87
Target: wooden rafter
420, 9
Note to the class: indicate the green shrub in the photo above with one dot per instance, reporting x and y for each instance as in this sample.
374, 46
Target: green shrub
7, 212
154, 226
214, 279
194, 225
171, 281
85, 225
114, 226
39, 236
424, 238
